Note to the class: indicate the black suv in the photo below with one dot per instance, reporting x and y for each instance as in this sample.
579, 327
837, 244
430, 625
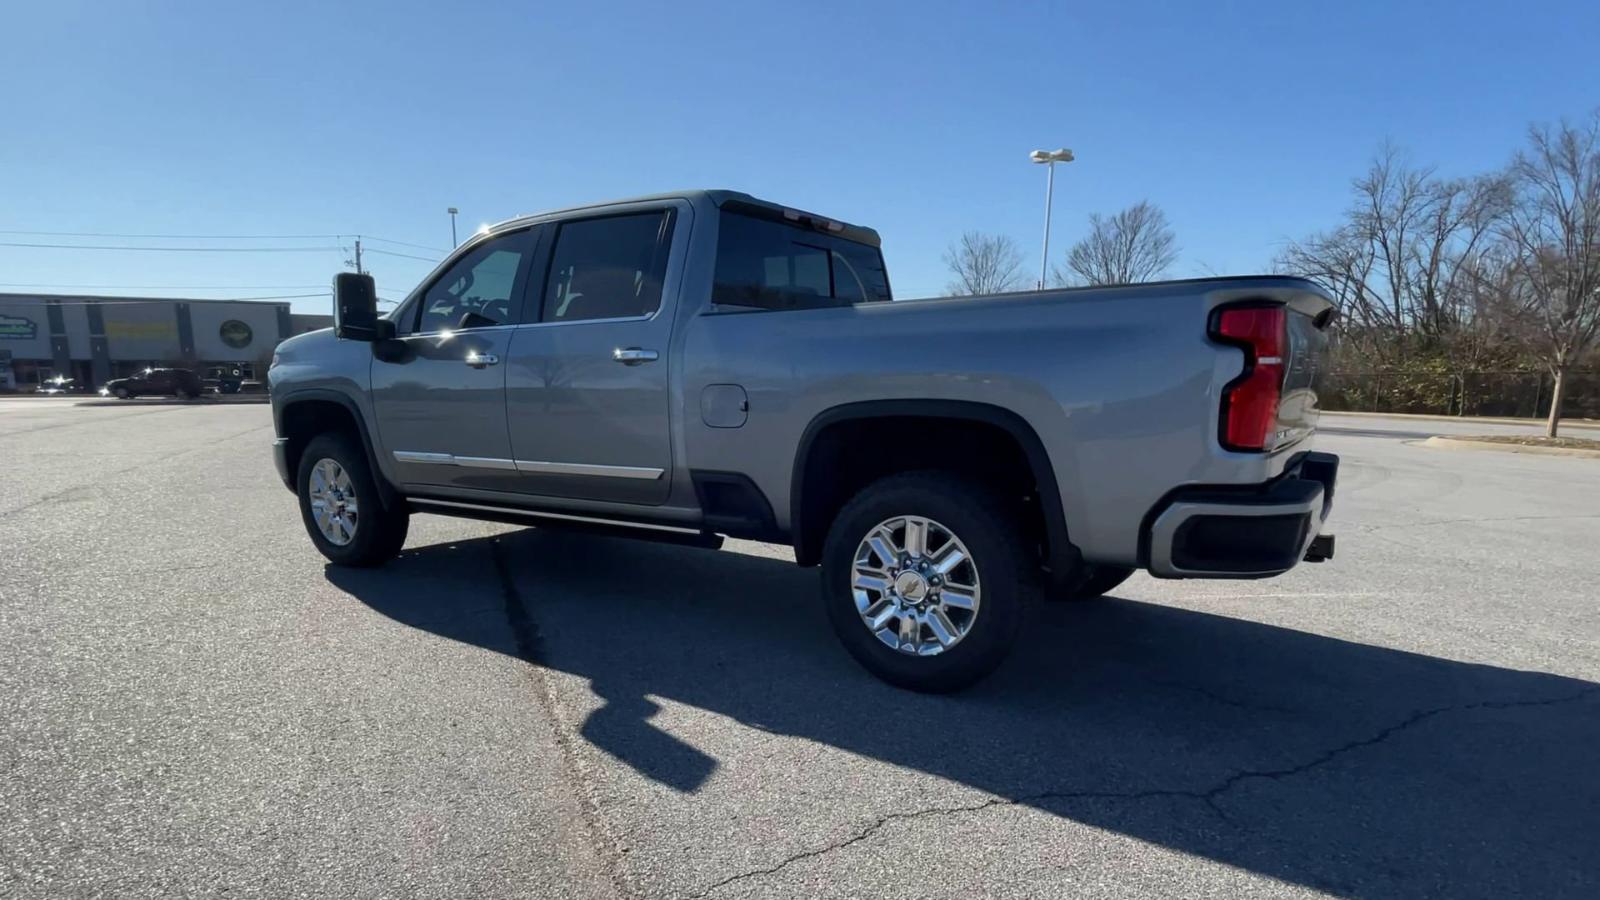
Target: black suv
175, 382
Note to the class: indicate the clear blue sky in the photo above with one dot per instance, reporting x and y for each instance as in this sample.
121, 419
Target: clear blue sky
1245, 121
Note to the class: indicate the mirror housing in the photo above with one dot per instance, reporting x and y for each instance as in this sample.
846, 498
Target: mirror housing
355, 307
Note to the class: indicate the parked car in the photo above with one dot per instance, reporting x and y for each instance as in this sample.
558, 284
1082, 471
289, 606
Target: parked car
59, 385
944, 461
172, 382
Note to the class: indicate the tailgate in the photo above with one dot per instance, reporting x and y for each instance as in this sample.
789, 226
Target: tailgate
1297, 408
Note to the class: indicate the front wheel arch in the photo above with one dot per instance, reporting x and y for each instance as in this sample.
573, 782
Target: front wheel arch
309, 413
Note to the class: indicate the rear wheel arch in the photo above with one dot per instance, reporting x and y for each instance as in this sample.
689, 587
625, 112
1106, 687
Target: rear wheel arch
817, 492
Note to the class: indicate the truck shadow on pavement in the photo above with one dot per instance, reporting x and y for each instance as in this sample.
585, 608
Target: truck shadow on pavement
1340, 766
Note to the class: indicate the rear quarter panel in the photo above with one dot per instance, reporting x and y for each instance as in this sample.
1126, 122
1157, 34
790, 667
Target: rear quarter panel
1121, 385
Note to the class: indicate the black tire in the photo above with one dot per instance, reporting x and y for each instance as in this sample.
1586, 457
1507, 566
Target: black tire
999, 551
379, 533
122, 393
1095, 581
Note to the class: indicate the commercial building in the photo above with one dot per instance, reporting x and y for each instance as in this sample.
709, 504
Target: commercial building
94, 339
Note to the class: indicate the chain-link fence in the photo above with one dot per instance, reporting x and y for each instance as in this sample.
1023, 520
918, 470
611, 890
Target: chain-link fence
1470, 394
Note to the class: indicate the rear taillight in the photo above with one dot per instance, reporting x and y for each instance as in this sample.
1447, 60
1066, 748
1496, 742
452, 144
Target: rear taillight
1250, 402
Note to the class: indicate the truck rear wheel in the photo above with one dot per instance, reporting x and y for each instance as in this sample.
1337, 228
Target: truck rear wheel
926, 580
340, 506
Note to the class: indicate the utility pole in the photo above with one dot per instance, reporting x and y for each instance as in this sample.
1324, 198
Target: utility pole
358, 255
452, 211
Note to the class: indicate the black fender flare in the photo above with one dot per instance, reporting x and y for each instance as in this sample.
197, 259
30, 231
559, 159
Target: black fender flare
1061, 556
388, 494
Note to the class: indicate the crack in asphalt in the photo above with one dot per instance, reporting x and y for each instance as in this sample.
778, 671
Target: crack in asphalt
1221, 699
525, 632
1208, 796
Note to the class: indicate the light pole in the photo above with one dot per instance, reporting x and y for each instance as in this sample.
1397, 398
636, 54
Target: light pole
1049, 158
452, 211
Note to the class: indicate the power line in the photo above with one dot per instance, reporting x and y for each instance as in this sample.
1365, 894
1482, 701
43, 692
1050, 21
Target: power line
124, 301
223, 237
167, 287
383, 240
175, 249
325, 289
186, 237
427, 259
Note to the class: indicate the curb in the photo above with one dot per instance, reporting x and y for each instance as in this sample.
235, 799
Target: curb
1460, 420
1446, 443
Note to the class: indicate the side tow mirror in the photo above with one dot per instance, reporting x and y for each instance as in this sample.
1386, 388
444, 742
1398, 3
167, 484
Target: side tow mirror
355, 307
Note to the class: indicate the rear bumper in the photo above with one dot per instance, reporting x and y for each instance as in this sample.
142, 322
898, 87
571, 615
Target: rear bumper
1256, 531
280, 460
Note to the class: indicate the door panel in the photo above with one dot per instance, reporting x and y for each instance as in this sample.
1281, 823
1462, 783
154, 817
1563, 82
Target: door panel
439, 390
586, 385
442, 419
583, 424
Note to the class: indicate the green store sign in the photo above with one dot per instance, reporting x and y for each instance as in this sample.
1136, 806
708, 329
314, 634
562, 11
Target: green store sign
16, 328
235, 334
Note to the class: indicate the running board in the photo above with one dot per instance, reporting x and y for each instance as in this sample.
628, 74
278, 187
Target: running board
511, 515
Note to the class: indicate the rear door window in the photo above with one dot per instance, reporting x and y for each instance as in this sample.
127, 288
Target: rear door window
770, 265
608, 268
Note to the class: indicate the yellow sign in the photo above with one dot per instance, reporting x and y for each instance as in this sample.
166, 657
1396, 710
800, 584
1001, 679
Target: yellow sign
142, 331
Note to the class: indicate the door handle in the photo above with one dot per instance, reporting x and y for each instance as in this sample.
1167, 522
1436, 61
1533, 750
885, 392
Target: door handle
632, 356
479, 360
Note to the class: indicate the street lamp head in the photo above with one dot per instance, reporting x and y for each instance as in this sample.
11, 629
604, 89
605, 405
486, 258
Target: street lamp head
1049, 156
452, 210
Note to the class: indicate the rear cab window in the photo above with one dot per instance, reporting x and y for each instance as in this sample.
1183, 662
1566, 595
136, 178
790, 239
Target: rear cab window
775, 265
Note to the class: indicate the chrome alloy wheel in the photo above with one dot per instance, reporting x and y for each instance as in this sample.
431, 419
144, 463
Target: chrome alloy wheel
915, 585
333, 501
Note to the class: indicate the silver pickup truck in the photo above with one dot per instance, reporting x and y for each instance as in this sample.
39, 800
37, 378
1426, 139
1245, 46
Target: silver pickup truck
692, 365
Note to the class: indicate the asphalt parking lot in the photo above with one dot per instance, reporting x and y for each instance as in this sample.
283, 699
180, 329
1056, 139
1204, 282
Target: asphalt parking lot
195, 705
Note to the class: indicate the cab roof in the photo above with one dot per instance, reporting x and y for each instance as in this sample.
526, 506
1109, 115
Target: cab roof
724, 199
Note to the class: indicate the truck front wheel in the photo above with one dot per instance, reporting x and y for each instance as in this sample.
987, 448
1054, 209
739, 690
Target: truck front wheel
926, 580
340, 506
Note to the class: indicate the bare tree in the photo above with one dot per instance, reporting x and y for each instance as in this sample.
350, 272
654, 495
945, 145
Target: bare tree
1134, 245
1555, 232
1409, 266
983, 264
1421, 229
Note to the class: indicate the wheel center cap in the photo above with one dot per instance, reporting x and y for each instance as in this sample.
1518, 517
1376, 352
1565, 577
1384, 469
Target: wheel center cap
911, 585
